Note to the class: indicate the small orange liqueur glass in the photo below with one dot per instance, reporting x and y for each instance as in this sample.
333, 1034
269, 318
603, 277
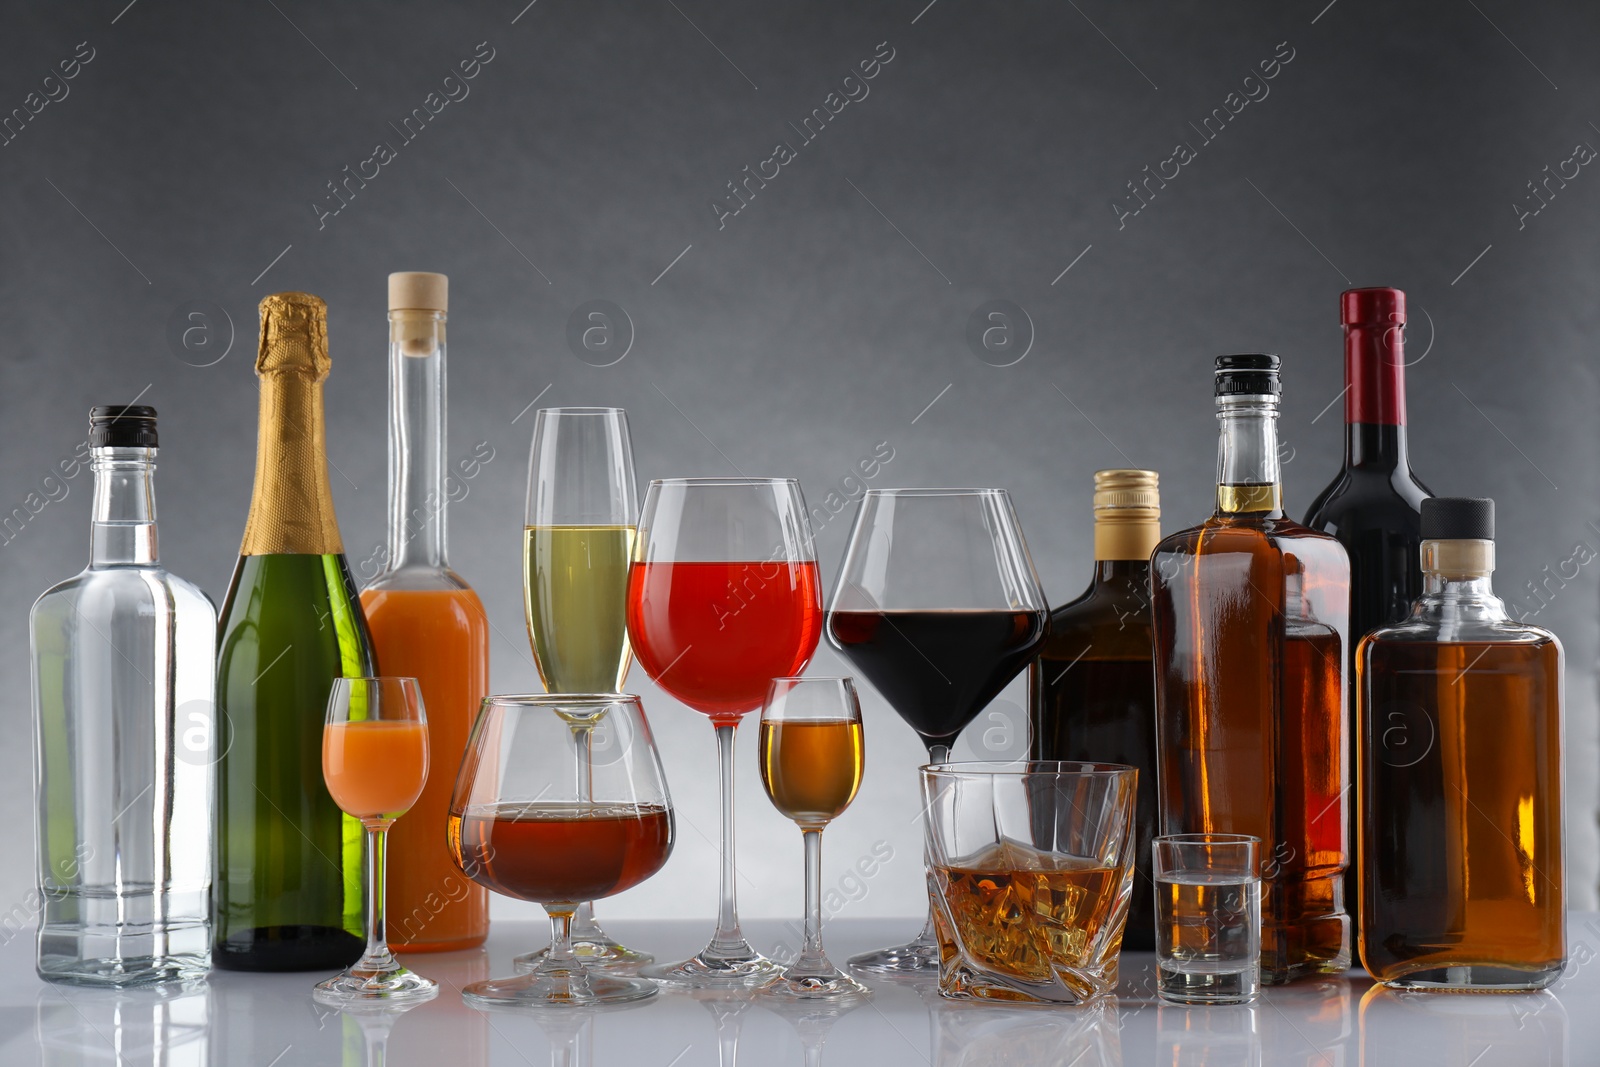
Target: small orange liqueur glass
375, 763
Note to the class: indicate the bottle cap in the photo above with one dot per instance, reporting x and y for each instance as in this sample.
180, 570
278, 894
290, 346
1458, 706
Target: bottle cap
1127, 491
418, 290
1248, 374
122, 426
1127, 514
1458, 518
1379, 305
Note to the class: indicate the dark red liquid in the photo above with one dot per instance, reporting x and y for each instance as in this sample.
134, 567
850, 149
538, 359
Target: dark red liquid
938, 668
561, 852
714, 635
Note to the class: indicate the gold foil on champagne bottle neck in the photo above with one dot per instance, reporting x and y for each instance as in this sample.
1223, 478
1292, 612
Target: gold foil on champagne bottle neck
1127, 514
291, 508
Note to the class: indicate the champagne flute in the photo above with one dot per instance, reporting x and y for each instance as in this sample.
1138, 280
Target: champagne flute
812, 756
578, 541
375, 763
522, 824
939, 606
723, 597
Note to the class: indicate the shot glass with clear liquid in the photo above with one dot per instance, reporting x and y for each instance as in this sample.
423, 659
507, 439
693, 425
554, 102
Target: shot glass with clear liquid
1208, 918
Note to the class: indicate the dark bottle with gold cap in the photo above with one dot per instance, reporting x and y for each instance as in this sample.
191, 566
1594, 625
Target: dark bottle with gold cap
287, 891
1092, 689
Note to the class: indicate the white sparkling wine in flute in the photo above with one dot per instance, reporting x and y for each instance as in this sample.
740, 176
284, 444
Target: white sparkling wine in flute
575, 594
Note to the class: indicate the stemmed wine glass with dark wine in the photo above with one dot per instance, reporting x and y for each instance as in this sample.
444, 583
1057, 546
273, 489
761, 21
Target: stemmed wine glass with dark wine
723, 597
939, 607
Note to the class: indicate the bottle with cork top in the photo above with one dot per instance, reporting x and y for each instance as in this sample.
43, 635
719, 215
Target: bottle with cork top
427, 623
1092, 688
288, 890
1460, 785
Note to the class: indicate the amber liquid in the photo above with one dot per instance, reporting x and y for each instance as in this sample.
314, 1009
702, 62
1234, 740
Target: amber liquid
441, 638
1092, 691
563, 852
1251, 721
811, 770
1461, 776
1027, 914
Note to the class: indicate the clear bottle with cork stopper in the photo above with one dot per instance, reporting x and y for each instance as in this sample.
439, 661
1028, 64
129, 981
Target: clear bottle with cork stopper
1461, 840
427, 623
1092, 689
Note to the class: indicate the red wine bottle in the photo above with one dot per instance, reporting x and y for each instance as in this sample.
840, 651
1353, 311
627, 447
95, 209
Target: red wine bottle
1374, 505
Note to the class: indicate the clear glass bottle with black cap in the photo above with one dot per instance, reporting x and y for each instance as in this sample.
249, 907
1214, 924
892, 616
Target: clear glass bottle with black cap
1461, 872
123, 679
1250, 611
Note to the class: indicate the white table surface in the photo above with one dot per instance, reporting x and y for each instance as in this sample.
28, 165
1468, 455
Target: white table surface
249, 1020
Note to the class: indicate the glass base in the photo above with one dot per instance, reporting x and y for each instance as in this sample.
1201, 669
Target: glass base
573, 987
918, 959
736, 966
826, 983
597, 950
368, 986
1475, 978
1187, 984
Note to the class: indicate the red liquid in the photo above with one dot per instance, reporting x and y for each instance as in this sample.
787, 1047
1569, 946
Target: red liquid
714, 635
559, 853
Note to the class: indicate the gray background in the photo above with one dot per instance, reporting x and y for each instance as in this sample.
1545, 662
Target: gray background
830, 314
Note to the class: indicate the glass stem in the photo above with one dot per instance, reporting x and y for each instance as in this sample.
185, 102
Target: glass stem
936, 754
560, 954
811, 954
377, 955
728, 932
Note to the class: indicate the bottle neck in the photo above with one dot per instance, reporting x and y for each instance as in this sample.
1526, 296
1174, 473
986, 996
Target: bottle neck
124, 528
1376, 446
291, 507
1248, 478
416, 440
1455, 582
1375, 373
1116, 573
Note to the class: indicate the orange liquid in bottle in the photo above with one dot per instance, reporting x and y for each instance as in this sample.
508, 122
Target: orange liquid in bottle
375, 769
441, 638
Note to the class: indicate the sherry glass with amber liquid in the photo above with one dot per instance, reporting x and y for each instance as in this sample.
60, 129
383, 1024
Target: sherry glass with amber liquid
938, 605
812, 755
525, 824
1461, 871
1250, 612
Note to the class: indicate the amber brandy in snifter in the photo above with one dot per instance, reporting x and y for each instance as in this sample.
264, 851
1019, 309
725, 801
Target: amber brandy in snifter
538, 818
1030, 869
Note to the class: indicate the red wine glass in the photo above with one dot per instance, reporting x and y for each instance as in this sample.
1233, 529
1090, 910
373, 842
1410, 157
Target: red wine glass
723, 597
938, 606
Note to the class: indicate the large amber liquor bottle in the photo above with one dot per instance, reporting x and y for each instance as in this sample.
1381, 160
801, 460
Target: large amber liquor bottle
1462, 885
1250, 612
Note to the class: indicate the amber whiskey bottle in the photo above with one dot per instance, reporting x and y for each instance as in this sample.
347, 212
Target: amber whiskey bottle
1092, 690
1250, 616
1461, 871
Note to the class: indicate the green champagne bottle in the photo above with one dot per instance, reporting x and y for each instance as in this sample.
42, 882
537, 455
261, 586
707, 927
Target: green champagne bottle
287, 891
